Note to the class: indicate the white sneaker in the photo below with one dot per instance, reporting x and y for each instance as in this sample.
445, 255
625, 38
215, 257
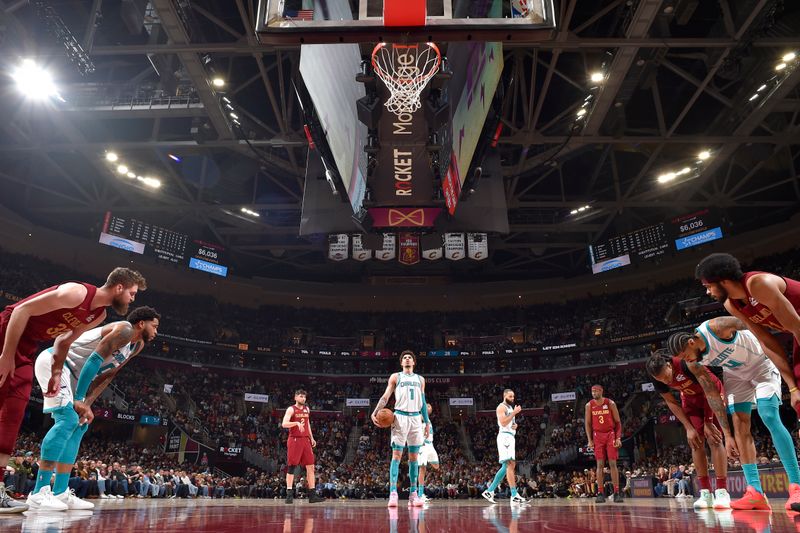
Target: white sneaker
722, 500
44, 500
517, 499
705, 501
104, 496
119, 497
425, 499
489, 496
73, 502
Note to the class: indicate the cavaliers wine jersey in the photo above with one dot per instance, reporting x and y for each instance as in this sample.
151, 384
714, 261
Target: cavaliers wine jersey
298, 414
683, 380
602, 417
761, 314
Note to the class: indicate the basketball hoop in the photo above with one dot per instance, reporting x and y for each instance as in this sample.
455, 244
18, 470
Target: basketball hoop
405, 70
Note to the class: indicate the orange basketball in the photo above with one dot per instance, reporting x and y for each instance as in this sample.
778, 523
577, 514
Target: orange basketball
385, 417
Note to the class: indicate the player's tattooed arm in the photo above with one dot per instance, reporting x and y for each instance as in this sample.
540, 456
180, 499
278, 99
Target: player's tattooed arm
726, 326
387, 393
119, 335
712, 395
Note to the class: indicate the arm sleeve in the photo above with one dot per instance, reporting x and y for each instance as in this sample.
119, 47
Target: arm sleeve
424, 410
88, 373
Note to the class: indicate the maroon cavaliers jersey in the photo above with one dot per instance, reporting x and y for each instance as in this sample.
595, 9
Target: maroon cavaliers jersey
298, 414
759, 313
50, 325
683, 380
602, 417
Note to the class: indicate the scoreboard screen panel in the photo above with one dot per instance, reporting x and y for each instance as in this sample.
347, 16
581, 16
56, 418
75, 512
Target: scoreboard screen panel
141, 237
642, 244
695, 229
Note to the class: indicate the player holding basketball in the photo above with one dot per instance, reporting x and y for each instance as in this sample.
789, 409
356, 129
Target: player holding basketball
698, 419
506, 449
604, 431
299, 450
61, 313
427, 456
760, 300
92, 362
751, 378
411, 424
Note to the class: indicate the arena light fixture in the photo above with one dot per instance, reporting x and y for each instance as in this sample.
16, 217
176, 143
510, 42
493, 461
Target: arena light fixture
250, 212
597, 77
234, 115
34, 81
581, 112
218, 82
666, 177
175, 158
122, 169
761, 88
573, 212
131, 175
753, 97
705, 154
111, 157
790, 56
780, 66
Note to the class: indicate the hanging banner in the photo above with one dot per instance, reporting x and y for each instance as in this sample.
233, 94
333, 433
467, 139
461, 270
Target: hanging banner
409, 248
167, 388
259, 398
454, 246
477, 246
562, 396
404, 217
338, 246
357, 402
451, 184
359, 252
461, 402
387, 252
433, 255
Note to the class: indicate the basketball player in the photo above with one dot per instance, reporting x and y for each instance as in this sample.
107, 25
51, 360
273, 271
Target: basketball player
604, 431
61, 313
698, 419
759, 299
411, 424
299, 450
427, 456
506, 435
92, 362
751, 378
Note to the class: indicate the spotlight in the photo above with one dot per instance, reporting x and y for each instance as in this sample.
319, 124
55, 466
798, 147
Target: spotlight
664, 178
705, 154
234, 115
175, 158
218, 82
789, 57
761, 88
111, 157
780, 66
131, 174
573, 212
122, 169
597, 77
34, 82
152, 182
753, 97
581, 112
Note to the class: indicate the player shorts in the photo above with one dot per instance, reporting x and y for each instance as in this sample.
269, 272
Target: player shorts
699, 412
743, 393
428, 455
299, 452
506, 447
16, 391
43, 370
407, 430
604, 446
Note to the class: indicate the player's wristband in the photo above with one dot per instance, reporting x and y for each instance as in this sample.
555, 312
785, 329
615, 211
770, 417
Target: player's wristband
793, 389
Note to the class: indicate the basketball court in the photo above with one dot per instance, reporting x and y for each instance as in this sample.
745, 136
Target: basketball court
578, 516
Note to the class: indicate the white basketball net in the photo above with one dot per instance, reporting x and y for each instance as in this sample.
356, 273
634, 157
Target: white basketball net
405, 70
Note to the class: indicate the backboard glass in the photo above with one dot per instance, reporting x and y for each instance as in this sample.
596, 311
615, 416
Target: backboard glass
361, 21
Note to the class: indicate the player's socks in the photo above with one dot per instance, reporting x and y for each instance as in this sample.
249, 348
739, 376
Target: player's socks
498, 478
616, 489
722, 483
513, 491
781, 439
751, 476
42, 480
61, 483
413, 475
705, 482
394, 473
421, 491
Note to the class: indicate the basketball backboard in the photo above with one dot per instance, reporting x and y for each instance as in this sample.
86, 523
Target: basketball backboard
292, 22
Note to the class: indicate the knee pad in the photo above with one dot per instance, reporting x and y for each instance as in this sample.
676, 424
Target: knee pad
298, 470
57, 438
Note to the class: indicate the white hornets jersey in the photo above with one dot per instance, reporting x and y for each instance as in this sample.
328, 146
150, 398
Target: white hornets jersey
741, 355
82, 348
507, 427
408, 393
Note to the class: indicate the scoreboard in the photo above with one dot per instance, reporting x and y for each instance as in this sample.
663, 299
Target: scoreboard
654, 241
141, 237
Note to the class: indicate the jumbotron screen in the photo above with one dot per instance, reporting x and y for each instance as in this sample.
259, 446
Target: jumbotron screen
138, 236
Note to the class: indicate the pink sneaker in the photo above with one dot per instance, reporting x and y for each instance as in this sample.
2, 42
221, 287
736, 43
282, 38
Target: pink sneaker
393, 499
414, 500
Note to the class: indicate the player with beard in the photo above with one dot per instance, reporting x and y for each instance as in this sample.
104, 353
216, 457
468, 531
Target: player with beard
604, 431
411, 425
299, 450
506, 448
760, 300
60, 313
92, 362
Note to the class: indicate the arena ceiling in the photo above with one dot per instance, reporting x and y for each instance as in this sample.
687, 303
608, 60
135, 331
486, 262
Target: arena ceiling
679, 78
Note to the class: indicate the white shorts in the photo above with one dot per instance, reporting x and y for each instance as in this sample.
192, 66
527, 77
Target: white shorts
742, 392
428, 455
505, 447
407, 430
42, 370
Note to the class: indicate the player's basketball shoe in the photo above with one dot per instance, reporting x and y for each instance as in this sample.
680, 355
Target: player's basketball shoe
517, 499
289, 496
705, 501
9, 505
794, 497
315, 498
488, 496
73, 502
751, 501
413, 500
722, 500
393, 499
617, 498
45, 500
425, 499
601, 498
